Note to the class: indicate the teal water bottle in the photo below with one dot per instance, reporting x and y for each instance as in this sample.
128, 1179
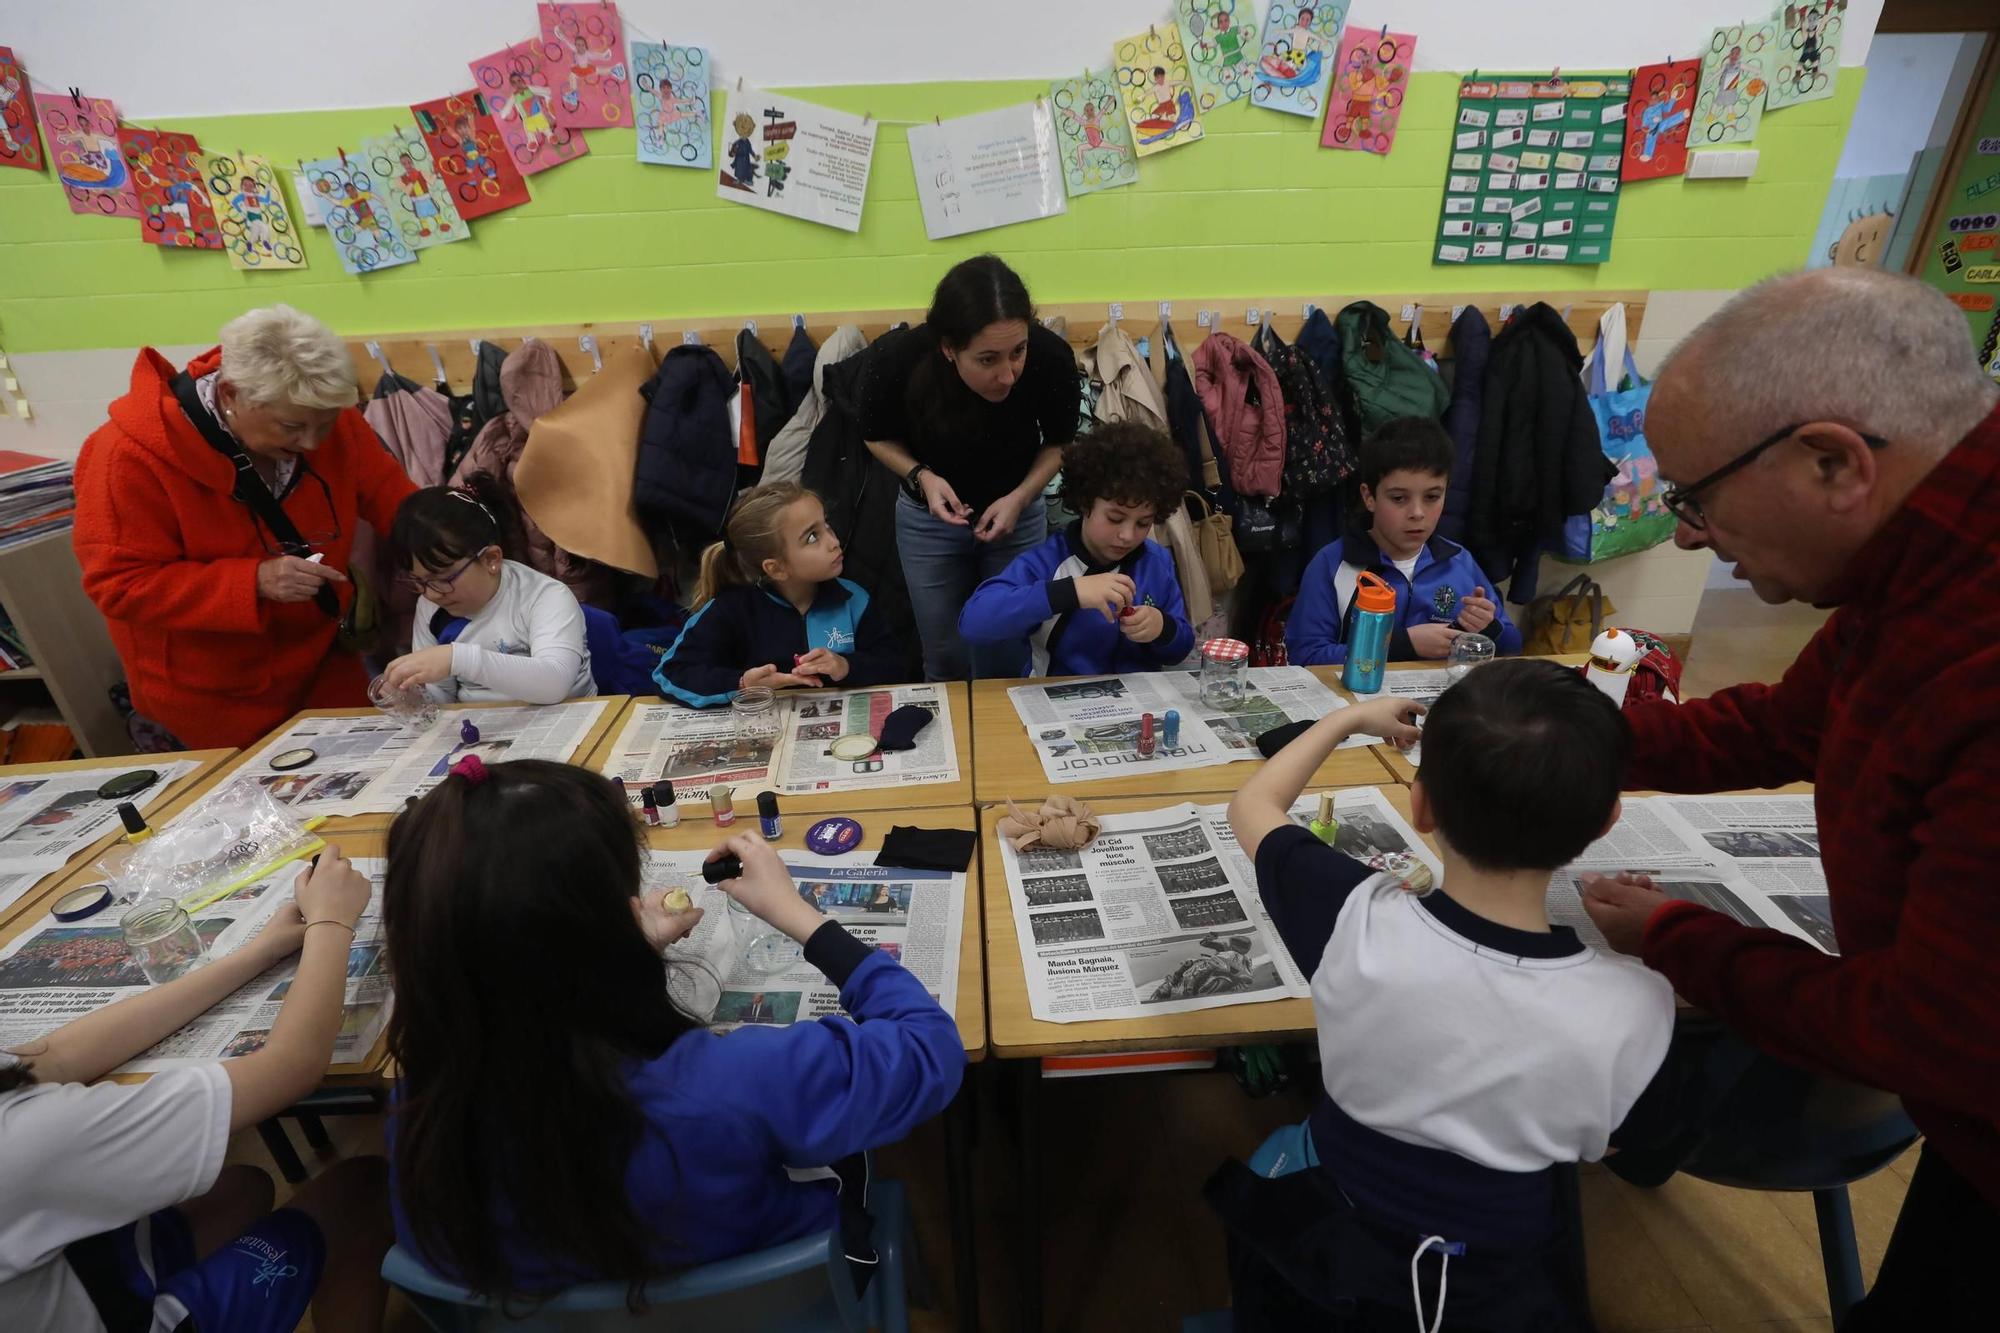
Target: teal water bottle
1368, 643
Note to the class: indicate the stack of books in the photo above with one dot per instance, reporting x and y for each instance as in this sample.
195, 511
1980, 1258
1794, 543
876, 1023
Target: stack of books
37, 497
13, 652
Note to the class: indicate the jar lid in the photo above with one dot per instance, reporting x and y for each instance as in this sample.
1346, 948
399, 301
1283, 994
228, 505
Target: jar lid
857, 746
80, 903
1225, 650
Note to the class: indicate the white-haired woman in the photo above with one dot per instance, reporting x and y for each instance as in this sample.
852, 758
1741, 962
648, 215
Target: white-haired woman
215, 514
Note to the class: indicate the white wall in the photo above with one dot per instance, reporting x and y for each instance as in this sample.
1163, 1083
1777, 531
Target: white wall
222, 57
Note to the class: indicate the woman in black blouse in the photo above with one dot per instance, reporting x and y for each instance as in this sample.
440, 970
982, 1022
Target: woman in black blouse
970, 409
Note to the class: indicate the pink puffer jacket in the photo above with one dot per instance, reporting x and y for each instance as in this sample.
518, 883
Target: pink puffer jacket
1246, 412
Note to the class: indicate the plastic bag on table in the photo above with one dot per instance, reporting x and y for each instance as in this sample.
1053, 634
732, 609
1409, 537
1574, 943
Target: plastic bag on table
234, 838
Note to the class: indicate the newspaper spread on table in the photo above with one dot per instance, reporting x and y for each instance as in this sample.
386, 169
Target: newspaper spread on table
56, 972
916, 916
697, 747
1753, 858
348, 754
46, 818
1160, 913
1084, 729
1424, 684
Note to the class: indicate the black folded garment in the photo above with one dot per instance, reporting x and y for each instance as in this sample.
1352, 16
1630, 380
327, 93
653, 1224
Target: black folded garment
900, 728
910, 848
1277, 738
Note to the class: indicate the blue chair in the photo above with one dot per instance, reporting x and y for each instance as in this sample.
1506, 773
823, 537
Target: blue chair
803, 1286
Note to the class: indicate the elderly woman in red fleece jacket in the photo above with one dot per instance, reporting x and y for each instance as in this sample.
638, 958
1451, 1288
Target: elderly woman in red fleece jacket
1833, 434
225, 627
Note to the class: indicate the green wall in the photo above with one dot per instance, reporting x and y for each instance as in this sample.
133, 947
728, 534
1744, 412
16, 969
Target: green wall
1257, 210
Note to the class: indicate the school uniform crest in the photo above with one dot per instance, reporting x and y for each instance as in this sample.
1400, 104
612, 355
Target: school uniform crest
1444, 602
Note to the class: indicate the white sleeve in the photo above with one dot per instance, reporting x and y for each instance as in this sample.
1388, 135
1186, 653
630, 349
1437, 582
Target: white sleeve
443, 691
554, 658
76, 1160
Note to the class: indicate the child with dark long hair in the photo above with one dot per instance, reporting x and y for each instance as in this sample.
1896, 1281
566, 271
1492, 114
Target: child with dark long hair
558, 1119
487, 627
771, 608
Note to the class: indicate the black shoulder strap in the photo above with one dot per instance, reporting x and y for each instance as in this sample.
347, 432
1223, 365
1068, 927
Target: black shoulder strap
250, 490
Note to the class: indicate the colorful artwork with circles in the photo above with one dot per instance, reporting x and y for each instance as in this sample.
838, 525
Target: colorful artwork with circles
166, 169
1158, 91
258, 229
1656, 120
1735, 76
1297, 56
359, 221
83, 143
20, 142
1221, 37
1808, 53
1092, 138
418, 197
670, 105
470, 155
1370, 80
583, 52
517, 86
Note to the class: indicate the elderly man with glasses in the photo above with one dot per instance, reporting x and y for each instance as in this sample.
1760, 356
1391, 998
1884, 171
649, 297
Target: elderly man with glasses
1831, 433
215, 514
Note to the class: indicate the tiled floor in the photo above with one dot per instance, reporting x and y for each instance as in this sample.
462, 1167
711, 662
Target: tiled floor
1130, 1245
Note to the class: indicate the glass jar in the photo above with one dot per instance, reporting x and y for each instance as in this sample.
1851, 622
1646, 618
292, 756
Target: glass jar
1467, 652
1224, 673
411, 707
162, 939
756, 713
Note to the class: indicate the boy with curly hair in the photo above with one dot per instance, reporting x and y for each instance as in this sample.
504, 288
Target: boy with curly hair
1099, 597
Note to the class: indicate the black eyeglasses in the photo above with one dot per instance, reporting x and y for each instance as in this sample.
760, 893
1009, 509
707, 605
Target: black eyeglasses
1683, 501
321, 534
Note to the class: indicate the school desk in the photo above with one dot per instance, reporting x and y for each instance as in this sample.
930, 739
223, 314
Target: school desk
969, 1011
693, 797
35, 901
1398, 762
258, 755
1006, 767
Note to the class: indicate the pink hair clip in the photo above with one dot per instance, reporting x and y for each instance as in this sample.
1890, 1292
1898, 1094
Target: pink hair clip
472, 768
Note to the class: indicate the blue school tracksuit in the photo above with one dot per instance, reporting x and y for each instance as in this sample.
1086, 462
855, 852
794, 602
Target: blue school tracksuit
752, 625
1317, 632
1035, 599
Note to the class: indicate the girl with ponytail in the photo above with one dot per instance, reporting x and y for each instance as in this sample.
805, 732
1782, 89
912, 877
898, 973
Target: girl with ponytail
487, 627
771, 608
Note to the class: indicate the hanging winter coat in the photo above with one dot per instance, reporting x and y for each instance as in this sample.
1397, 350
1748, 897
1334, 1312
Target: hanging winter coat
1538, 459
1318, 456
1319, 341
767, 405
414, 424
799, 362
860, 498
687, 457
1246, 413
1124, 383
531, 383
1385, 380
1471, 346
787, 454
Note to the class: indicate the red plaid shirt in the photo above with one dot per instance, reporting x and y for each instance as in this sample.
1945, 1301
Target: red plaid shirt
1893, 710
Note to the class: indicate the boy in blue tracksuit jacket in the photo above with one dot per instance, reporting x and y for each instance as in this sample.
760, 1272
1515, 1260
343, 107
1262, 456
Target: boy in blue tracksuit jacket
1099, 597
1440, 592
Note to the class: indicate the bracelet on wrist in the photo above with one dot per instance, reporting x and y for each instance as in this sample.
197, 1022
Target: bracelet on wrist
329, 921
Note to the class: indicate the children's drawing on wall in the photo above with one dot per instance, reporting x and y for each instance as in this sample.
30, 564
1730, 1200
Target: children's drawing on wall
1656, 120
1370, 80
1297, 56
1221, 38
470, 157
1808, 53
792, 157
419, 200
83, 144
166, 171
670, 104
1092, 138
515, 83
1735, 76
20, 143
1158, 92
357, 217
257, 227
1858, 221
583, 49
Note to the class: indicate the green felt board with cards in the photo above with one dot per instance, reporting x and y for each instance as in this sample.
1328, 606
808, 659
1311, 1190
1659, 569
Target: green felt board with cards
1533, 176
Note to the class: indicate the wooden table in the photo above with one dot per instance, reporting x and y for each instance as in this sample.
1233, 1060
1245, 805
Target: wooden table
377, 822
1006, 767
693, 797
1016, 1033
1398, 762
51, 886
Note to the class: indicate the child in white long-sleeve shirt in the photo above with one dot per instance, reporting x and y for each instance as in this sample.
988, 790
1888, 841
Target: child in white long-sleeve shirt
487, 628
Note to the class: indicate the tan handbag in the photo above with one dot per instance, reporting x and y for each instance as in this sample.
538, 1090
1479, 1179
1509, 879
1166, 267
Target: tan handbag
1189, 567
1567, 620
1215, 539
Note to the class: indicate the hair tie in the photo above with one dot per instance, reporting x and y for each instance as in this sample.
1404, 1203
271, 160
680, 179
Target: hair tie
474, 501
472, 768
